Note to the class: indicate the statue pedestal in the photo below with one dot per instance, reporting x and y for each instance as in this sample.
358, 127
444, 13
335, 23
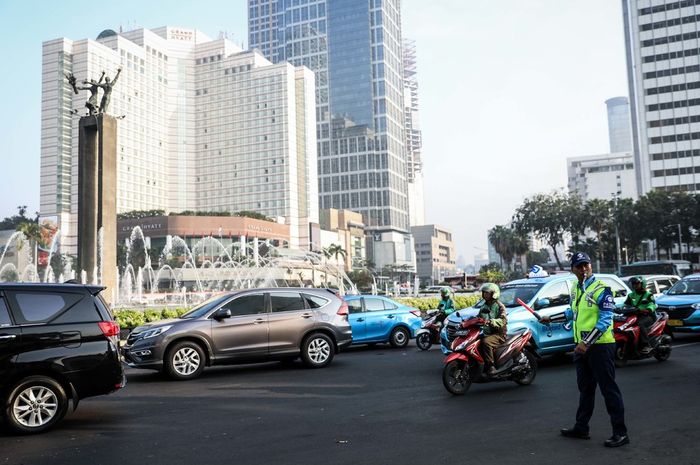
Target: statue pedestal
97, 201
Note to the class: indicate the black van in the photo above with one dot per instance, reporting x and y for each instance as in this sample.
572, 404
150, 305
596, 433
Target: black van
58, 343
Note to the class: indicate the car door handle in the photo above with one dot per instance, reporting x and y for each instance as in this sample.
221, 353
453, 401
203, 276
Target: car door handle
258, 321
360, 319
7, 337
306, 315
390, 316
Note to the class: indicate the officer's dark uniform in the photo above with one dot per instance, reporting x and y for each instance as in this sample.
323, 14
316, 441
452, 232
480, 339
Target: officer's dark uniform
591, 311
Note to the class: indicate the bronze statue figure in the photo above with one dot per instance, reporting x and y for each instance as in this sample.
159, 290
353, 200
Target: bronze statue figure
107, 90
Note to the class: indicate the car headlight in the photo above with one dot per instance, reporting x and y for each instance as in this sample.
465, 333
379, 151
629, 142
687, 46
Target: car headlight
696, 306
154, 332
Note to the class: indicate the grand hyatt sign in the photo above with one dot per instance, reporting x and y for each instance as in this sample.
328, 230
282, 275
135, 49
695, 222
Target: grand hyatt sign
257, 228
144, 227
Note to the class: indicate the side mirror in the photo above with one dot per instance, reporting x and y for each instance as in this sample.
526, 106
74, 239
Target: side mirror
222, 314
620, 293
542, 303
665, 291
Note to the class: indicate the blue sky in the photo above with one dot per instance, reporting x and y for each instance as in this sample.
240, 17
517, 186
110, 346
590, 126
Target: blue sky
508, 90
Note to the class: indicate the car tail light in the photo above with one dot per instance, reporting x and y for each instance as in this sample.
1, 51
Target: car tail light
109, 328
343, 310
415, 312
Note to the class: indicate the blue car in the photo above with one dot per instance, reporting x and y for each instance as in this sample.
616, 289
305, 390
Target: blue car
377, 319
682, 303
547, 296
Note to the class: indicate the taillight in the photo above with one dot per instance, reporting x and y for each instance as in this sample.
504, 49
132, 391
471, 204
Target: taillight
416, 312
109, 328
343, 310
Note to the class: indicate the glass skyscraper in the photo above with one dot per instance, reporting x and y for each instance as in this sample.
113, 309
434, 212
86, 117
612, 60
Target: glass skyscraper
354, 48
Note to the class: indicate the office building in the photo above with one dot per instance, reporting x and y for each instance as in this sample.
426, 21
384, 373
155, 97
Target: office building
354, 47
663, 65
435, 253
602, 176
414, 140
206, 126
619, 124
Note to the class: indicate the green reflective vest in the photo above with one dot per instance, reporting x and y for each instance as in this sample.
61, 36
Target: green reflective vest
643, 301
584, 304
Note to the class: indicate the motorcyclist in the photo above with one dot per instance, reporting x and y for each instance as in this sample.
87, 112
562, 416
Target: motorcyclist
643, 300
494, 312
446, 306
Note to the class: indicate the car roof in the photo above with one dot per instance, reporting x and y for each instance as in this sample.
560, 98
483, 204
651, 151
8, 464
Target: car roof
94, 289
692, 276
652, 276
556, 277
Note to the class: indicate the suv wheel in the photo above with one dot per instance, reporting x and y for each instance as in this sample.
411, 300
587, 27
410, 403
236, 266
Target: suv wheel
399, 337
35, 404
185, 361
317, 350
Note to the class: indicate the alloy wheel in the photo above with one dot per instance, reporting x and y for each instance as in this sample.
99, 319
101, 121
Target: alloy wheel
319, 350
186, 361
35, 406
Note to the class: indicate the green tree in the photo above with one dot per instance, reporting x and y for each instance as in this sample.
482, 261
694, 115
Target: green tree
598, 214
547, 216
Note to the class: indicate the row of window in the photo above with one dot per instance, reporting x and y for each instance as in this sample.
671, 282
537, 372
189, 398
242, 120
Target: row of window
671, 55
677, 104
669, 23
674, 121
677, 171
667, 7
675, 155
679, 188
672, 71
671, 39
673, 88
675, 137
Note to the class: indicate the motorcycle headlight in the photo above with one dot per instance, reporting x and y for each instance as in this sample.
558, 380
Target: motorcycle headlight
154, 332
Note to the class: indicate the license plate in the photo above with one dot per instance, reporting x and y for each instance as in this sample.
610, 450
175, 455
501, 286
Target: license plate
675, 322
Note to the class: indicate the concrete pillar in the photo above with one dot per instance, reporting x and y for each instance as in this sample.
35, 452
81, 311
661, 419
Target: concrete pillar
97, 198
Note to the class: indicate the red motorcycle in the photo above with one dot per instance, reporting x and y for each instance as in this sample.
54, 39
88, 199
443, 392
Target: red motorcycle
515, 360
626, 332
429, 332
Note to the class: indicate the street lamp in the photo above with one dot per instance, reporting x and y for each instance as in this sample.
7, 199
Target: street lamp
616, 195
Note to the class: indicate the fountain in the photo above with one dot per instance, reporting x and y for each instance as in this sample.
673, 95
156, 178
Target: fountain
183, 275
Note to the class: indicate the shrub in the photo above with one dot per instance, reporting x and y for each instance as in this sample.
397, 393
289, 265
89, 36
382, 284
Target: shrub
169, 313
129, 319
152, 315
428, 303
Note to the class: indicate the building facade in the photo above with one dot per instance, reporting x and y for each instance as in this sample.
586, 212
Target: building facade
354, 47
602, 176
619, 124
414, 138
346, 229
663, 65
206, 126
435, 253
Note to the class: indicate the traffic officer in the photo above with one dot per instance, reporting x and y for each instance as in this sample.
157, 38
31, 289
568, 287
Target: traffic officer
591, 310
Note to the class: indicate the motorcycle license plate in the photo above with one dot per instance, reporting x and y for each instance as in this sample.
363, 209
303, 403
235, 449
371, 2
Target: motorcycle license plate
460, 333
675, 322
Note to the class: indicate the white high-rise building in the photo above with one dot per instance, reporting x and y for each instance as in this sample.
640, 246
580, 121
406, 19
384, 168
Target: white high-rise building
602, 176
414, 139
207, 126
663, 63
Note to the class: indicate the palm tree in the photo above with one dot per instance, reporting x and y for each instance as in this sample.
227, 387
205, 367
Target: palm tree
337, 250
498, 237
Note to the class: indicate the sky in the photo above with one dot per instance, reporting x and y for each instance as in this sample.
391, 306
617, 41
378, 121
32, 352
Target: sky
507, 91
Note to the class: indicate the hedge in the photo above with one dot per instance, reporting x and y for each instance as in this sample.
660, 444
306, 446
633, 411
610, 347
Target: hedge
131, 318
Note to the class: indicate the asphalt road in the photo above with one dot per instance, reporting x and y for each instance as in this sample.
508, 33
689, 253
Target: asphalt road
372, 406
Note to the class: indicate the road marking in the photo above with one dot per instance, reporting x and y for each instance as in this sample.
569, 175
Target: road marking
685, 345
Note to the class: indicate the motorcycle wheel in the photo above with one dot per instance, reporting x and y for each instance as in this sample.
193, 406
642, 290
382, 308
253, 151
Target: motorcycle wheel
455, 377
663, 354
529, 376
423, 341
620, 355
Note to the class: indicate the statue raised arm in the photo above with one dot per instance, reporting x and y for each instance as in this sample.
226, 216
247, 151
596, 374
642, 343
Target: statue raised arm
107, 90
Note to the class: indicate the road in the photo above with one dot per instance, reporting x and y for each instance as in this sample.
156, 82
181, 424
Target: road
372, 406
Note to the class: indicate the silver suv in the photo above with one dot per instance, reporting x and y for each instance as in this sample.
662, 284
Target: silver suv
244, 327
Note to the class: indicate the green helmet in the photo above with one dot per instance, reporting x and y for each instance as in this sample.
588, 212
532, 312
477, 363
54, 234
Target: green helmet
492, 288
445, 291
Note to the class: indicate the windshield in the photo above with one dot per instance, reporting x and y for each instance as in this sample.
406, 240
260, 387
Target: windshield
685, 287
525, 292
205, 307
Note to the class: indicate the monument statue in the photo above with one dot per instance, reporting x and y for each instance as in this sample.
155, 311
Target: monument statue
107, 90
94, 87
